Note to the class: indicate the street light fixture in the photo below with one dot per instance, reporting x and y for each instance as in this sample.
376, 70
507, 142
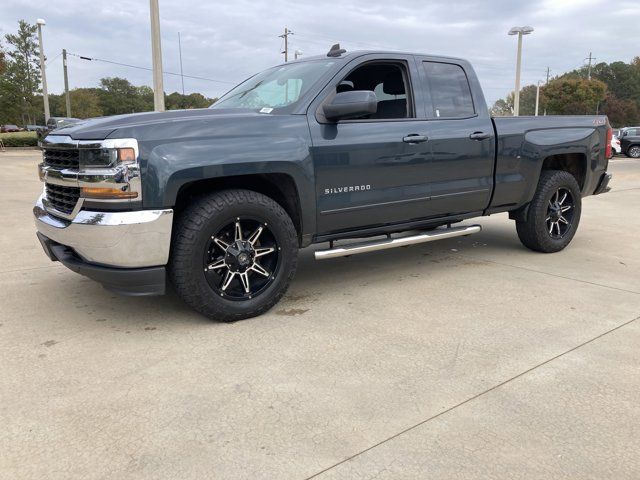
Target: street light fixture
297, 54
520, 31
45, 94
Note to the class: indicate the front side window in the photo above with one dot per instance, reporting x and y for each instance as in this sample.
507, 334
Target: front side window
449, 88
388, 81
278, 88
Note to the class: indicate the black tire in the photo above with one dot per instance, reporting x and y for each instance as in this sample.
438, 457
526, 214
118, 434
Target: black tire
195, 240
543, 231
633, 151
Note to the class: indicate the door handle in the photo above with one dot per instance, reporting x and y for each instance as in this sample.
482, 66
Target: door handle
415, 138
479, 136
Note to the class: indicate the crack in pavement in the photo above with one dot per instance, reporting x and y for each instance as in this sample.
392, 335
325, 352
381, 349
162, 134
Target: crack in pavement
470, 399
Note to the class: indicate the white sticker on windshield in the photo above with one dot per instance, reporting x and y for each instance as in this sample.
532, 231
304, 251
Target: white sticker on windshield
266, 110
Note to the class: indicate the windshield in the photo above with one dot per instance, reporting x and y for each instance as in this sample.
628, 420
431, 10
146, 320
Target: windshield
276, 88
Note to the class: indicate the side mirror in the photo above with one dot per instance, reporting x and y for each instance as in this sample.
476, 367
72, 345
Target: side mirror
352, 104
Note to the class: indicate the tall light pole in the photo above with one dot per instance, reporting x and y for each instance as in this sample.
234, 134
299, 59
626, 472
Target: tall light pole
537, 97
180, 51
520, 31
156, 52
45, 94
67, 100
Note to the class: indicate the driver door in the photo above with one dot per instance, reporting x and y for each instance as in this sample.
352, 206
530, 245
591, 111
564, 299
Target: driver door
372, 171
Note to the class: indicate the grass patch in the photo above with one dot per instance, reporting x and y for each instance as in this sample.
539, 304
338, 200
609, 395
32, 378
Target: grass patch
19, 139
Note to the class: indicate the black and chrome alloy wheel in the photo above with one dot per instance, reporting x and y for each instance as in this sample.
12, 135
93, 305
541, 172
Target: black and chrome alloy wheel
233, 254
560, 213
241, 259
553, 215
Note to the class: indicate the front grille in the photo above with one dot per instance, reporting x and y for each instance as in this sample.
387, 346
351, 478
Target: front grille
61, 157
63, 199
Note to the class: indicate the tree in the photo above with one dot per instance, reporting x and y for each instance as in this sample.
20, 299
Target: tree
567, 96
119, 96
504, 107
3, 59
175, 101
620, 112
21, 77
85, 102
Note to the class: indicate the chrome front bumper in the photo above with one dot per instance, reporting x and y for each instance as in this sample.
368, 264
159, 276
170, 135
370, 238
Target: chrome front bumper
119, 239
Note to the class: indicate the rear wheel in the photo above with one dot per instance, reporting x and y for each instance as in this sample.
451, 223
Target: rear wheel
234, 254
554, 213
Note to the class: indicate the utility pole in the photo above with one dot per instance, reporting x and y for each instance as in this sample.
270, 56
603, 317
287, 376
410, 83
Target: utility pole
287, 32
590, 58
181, 74
66, 82
156, 52
548, 70
537, 97
45, 94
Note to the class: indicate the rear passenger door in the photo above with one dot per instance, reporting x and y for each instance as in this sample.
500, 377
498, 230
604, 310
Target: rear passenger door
461, 137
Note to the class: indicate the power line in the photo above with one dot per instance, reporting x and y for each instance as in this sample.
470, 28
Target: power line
52, 60
146, 68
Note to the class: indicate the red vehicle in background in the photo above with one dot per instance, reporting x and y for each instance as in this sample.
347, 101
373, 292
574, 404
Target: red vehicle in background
9, 128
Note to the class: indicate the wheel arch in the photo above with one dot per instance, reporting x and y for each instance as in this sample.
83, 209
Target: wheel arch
574, 163
281, 187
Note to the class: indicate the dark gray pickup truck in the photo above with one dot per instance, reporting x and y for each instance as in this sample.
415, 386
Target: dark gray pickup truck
389, 148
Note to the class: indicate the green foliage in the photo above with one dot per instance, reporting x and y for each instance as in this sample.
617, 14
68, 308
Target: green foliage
567, 96
85, 103
614, 90
20, 78
176, 101
19, 139
3, 59
620, 112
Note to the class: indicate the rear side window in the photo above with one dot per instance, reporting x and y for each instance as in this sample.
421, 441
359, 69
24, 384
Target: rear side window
449, 88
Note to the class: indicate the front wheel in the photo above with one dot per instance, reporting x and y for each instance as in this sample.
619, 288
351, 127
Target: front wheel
233, 255
554, 213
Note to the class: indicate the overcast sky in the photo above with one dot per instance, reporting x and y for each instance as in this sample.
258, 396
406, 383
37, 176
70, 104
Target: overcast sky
228, 41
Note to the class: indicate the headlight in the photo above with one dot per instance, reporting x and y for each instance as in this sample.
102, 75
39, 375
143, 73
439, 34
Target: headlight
106, 157
109, 170
98, 158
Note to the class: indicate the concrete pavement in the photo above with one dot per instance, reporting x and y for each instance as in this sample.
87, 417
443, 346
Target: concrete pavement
466, 358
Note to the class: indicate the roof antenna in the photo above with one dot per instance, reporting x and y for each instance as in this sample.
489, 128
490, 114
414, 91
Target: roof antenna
336, 51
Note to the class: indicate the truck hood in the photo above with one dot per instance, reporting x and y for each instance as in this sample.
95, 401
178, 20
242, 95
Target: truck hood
105, 127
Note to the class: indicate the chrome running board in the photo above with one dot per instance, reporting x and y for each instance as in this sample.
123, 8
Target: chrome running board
374, 245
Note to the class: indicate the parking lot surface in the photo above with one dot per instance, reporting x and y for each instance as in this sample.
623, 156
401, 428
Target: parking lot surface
465, 358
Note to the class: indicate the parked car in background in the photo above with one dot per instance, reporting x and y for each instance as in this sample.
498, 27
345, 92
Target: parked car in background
35, 128
60, 122
616, 149
630, 142
9, 128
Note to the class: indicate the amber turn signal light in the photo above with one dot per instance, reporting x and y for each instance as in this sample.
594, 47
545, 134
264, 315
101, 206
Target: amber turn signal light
126, 155
113, 193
